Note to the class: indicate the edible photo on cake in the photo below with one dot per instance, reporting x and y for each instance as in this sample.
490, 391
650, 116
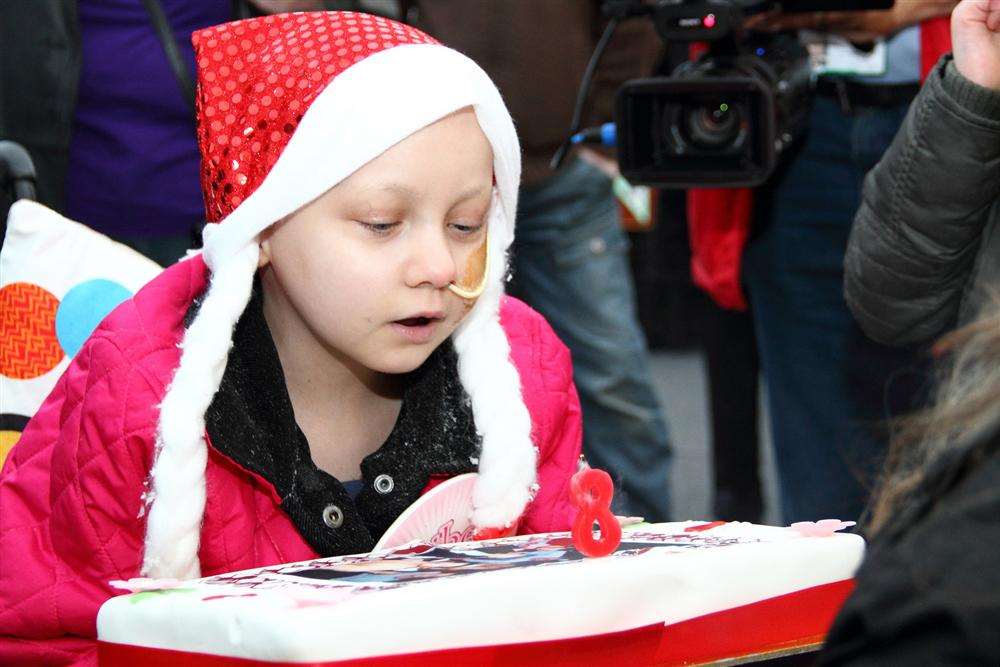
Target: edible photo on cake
424, 562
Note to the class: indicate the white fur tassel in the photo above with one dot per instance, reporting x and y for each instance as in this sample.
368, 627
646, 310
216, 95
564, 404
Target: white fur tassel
173, 530
508, 458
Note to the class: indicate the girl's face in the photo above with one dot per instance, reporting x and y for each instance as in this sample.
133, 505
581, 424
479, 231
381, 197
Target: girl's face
366, 266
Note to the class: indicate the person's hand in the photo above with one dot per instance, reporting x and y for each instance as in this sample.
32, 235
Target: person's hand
975, 36
856, 26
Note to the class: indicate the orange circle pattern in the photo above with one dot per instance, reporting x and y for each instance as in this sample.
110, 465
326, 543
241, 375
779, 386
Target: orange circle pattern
28, 343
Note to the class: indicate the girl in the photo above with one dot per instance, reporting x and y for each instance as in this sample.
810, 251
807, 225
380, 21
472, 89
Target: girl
341, 343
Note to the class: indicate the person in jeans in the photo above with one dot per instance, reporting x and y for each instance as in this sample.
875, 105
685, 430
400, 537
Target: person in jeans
828, 385
571, 263
570, 258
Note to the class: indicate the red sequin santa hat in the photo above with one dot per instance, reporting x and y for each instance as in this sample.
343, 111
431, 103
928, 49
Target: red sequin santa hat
289, 106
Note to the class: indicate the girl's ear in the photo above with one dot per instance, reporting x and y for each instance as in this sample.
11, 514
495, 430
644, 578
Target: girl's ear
265, 255
265, 247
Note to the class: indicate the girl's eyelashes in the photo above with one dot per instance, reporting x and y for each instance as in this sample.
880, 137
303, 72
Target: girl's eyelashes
379, 228
467, 229
462, 229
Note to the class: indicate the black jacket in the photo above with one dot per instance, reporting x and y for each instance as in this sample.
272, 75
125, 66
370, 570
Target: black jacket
39, 70
928, 592
251, 420
925, 242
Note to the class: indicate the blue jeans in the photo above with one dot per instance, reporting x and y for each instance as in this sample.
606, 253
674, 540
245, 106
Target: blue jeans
570, 263
825, 380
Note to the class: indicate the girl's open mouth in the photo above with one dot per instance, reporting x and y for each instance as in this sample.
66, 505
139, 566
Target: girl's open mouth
418, 329
415, 321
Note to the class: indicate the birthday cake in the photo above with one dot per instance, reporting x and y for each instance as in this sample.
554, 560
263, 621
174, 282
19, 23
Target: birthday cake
671, 593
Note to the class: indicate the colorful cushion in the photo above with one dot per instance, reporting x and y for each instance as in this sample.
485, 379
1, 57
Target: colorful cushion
58, 280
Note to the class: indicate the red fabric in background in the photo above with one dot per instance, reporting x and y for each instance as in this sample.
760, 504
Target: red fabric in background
718, 227
719, 219
935, 41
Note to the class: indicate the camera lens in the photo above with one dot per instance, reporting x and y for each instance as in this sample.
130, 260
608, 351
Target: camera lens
711, 126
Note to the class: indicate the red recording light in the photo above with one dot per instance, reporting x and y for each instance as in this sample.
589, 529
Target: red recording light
709, 21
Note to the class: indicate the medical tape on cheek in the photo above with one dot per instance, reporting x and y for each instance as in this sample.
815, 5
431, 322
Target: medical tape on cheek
478, 264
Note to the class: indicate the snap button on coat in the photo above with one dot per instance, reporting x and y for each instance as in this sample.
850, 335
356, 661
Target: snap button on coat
384, 484
333, 516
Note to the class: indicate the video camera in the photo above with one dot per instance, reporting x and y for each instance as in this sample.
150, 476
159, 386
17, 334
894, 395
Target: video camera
723, 119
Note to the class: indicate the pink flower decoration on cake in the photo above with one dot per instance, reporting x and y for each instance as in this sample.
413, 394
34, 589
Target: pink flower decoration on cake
821, 528
305, 603
142, 584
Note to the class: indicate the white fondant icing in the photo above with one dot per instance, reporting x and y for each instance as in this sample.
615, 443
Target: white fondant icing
295, 622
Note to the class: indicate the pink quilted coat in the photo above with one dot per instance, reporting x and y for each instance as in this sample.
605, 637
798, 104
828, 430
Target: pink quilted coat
70, 490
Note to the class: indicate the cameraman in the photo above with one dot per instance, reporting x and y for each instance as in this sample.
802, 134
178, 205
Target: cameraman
826, 381
925, 242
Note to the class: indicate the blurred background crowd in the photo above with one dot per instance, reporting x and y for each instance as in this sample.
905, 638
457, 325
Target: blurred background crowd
742, 353
741, 388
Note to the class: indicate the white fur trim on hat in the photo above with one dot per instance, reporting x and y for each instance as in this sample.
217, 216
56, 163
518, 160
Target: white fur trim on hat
507, 463
363, 112
173, 529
